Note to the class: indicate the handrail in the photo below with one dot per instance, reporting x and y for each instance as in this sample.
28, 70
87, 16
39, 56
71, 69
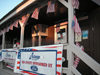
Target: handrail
85, 58
75, 71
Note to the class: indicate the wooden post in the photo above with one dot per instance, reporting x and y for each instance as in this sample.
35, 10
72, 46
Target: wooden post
70, 55
39, 40
22, 31
3, 40
70, 18
22, 36
33, 41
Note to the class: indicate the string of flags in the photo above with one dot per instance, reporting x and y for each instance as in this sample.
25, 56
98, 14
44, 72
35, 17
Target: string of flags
35, 13
50, 9
77, 59
75, 26
75, 4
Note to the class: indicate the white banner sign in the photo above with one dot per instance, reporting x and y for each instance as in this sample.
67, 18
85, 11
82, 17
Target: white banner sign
9, 56
43, 60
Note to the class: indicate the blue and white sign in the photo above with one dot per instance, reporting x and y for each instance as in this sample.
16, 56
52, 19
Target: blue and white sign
9, 56
0, 55
43, 60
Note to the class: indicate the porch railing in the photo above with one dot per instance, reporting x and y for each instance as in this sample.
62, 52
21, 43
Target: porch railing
71, 70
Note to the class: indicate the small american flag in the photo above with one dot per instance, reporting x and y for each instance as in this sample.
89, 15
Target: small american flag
11, 27
23, 20
75, 4
51, 7
15, 24
35, 13
77, 59
75, 26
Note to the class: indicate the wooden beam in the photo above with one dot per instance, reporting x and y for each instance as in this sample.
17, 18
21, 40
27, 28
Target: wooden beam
86, 58
64, 3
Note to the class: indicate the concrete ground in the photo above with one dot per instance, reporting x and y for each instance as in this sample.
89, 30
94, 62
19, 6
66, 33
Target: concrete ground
6, 71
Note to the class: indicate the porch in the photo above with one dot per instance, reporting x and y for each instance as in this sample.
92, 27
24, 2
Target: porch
70, 49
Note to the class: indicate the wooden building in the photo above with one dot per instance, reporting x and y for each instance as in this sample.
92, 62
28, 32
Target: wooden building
43, 31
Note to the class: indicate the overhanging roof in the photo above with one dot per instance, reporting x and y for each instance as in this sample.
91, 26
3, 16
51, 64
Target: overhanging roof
28, 6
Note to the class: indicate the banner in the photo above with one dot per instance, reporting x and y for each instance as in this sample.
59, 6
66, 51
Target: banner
9, 56
42, 60
0, 55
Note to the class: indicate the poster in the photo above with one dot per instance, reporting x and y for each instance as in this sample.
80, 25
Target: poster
78, 37
9, 56
42, 60
85, 34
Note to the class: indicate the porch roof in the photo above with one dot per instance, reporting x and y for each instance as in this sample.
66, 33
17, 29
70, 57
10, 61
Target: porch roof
61, 13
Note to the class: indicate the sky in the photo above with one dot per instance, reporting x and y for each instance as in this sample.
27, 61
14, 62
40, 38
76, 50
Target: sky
7, 5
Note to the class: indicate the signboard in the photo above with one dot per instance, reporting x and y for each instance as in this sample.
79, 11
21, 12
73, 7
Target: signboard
0, 55
9, 56
43, 60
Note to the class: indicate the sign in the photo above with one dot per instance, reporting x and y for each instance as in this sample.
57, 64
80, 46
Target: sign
43, 60
78, 37
85, 34
9, 56
0, 55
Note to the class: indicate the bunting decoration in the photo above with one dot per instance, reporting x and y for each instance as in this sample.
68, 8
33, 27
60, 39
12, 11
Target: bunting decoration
77, 59
75, 26
15, 24
35, 13
51, 7
11, 27
75, 4
23, 19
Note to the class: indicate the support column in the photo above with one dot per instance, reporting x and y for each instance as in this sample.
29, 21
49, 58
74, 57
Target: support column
3, 40
70, 55
33, 41
22, 36
70, 18
22, 30
39, 40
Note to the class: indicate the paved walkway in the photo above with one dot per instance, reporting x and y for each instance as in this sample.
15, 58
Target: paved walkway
7, 72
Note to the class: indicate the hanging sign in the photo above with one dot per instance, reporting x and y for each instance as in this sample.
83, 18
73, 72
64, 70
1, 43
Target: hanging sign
43, 60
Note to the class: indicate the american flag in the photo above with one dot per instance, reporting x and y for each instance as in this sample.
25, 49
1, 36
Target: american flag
35, 13
75, 4
51, 7
77, 59
11, 27
75, 26
23, 19
15, 24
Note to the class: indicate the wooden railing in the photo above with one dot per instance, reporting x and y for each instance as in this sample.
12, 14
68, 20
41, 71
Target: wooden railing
73, 49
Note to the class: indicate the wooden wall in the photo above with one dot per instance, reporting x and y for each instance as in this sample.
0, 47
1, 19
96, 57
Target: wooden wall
92, 44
